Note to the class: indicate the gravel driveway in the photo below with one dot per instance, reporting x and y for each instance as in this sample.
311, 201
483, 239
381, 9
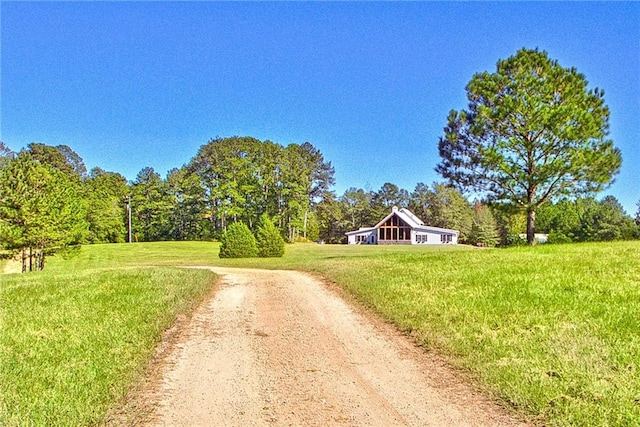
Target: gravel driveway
281, 348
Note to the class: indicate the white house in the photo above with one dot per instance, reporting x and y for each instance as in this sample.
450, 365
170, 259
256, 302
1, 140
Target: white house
402, 227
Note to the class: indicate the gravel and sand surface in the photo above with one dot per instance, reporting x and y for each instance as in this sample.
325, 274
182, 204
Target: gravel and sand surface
282, 348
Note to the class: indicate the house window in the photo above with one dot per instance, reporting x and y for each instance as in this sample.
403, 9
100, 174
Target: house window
446, 238
394, 229
421, 238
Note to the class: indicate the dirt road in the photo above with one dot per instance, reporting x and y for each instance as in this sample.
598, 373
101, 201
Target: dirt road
279, 348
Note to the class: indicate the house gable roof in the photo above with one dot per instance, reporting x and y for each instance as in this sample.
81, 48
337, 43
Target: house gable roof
437, 230
410, 219
359, 231
404, 214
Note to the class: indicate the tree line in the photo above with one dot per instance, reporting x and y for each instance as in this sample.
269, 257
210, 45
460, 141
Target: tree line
50, 203
480, 222
532, 146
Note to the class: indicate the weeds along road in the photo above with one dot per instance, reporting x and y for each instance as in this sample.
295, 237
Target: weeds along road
280, 348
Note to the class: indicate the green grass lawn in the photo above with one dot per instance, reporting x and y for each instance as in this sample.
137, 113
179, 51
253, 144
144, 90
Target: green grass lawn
73, 340
553, 331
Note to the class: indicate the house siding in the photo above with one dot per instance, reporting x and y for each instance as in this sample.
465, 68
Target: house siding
402, 227
395, 242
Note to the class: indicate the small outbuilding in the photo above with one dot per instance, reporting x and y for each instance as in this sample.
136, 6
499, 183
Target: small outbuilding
537, 237
402, 227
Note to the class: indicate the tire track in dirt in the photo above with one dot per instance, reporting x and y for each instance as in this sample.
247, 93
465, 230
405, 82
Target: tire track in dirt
279, 348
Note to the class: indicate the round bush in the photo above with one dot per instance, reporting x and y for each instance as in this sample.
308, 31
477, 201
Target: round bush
238, 242
270, 241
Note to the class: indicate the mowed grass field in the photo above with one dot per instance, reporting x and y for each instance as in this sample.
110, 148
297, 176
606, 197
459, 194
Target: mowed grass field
551, 331
75, 337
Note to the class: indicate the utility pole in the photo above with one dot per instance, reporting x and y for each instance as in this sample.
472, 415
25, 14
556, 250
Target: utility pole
128, 201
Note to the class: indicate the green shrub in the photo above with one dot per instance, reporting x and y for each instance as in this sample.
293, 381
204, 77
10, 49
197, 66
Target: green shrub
270, 241
558, 237
238, 242
514, 239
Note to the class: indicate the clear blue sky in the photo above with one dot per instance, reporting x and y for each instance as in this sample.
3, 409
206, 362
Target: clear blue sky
135, 84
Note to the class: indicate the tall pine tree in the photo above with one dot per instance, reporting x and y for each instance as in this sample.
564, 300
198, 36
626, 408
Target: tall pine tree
41, 211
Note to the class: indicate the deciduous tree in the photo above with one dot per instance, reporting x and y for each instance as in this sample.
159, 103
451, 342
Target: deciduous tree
357, 208
105, 194
237, 177
244, 177
603, 221
388, 196
586, 219
330, 220
188, 207
60, 157
442, 206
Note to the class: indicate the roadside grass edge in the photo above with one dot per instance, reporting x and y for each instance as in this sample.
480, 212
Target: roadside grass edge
72, 345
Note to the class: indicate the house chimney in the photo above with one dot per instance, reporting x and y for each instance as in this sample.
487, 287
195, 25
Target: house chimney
394, 209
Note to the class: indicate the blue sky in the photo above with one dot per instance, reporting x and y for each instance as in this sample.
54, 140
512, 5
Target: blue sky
135, 84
